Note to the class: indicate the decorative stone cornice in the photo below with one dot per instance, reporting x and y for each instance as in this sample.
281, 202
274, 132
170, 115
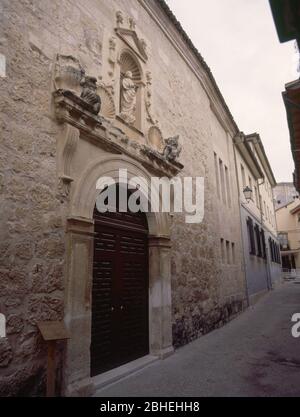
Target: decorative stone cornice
159, 241
133, 42
76, 112
69, 108
129, 35
80, 225
159, 161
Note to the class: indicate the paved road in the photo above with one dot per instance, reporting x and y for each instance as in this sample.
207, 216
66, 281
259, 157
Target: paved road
253, 355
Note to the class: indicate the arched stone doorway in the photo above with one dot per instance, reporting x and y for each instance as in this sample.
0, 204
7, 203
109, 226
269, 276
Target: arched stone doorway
80, 232
120, 319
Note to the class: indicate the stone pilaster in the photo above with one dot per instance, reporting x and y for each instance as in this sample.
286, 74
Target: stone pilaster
160, 312
79, 235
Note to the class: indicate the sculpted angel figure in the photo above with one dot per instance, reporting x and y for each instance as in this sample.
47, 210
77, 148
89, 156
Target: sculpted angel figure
172, 148
128, 98
89, 93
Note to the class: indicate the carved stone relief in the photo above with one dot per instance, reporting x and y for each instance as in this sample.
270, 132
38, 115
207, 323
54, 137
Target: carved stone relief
148, 99
155, 139
143, 45
172, 149
66, 148
119, 18
128, 98
124, 95
132, 23
104, 134
89, 93
68, 73
92, 41
106, 93
112, 55
129, 36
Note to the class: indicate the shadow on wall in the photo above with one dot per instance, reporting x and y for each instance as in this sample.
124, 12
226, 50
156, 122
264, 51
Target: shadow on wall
188, 329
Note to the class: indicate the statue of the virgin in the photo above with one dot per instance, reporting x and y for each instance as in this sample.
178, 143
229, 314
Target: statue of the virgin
128, 98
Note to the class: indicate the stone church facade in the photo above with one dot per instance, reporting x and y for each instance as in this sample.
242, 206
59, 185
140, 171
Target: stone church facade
153, 87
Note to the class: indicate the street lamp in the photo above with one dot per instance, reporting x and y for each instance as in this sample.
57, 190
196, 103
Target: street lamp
247, 193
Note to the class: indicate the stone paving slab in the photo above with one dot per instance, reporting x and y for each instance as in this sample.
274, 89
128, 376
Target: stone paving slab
253, 355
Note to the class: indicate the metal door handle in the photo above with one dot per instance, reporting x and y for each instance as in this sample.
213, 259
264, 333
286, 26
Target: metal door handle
112, 308
122, 307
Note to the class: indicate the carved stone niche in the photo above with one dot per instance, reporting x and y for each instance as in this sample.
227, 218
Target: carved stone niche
130, 37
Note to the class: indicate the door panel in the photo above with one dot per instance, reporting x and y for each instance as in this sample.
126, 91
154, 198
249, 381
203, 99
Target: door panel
120, 291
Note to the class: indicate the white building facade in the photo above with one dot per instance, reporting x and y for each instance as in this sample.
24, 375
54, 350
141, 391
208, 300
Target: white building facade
262, 261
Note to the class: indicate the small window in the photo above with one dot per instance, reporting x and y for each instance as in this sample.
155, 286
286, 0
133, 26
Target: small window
258, 240
233, 252
283, 241
228, 252
217, 173
223, 190
243, 176
256, 196
227, 186
272, 250
251, 241
222, 250
263, 244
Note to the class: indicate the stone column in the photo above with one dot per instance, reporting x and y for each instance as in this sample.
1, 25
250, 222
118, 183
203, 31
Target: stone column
160, 312
78, 284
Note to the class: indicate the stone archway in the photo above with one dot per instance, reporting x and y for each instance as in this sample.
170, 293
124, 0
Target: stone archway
78, 282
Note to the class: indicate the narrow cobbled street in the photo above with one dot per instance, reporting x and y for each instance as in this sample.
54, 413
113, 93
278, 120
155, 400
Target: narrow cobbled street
253, 355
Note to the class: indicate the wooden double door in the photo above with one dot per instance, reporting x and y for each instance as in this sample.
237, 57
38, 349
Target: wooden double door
120, 290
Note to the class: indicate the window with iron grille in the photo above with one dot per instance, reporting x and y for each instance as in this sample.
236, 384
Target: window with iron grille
251, 236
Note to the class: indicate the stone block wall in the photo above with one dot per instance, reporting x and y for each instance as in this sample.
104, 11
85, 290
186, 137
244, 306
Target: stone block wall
32, 237
33, 208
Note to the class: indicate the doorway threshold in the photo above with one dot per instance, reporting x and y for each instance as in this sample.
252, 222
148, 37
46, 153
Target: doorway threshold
103, 380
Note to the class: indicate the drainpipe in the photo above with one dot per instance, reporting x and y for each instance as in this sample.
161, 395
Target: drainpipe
241, 223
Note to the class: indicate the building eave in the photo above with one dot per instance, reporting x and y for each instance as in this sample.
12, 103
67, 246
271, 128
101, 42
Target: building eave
286, 16
246, 153
260, 150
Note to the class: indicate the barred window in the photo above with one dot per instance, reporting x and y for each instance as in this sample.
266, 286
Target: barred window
251, 236
258, 242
